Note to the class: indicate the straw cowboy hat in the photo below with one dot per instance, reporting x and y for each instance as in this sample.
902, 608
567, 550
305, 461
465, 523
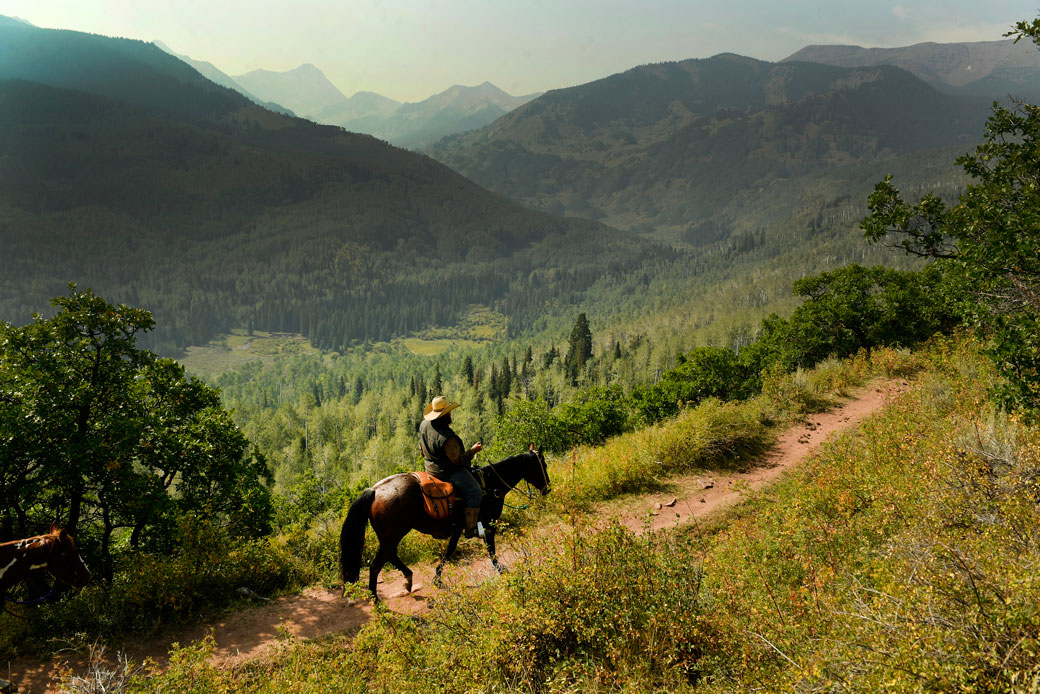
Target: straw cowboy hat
439, 407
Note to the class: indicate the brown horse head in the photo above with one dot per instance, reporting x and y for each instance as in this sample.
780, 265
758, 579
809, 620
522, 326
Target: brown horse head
64, 561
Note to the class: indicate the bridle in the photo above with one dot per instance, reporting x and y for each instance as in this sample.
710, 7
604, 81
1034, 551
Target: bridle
530, 495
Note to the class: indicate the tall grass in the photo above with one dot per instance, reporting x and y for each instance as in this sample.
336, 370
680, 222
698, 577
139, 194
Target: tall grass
714, 435
760, 598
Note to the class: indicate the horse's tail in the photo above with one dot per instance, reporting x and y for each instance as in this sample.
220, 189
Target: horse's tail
352, 536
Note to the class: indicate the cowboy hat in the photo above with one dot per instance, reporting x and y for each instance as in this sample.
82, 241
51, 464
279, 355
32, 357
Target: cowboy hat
439, 407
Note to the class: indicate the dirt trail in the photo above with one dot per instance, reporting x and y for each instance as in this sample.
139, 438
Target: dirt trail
696, 496
254, 632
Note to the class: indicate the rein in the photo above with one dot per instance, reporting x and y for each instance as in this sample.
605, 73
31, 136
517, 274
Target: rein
37, 601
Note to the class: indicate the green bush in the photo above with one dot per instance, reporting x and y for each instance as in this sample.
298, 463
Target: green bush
151, 592
706, 372
594, 415
527, 422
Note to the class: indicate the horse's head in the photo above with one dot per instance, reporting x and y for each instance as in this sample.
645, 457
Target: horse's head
537, 474
64, 561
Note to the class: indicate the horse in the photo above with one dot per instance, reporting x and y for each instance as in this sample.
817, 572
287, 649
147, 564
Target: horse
395, 507
56, 551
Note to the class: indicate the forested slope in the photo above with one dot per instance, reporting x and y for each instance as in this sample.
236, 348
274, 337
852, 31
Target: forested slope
668, 145
126, 171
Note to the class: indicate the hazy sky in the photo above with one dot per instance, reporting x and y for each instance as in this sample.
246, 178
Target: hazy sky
410, 49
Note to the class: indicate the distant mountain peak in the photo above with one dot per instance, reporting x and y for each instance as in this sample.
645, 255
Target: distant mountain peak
15, 21
305, 89
456, 109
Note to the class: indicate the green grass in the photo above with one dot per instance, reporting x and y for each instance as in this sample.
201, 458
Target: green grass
231, 351
707, 608
430, 348
478, 324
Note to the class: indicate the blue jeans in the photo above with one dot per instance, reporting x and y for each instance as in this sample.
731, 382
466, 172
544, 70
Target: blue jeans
466, 487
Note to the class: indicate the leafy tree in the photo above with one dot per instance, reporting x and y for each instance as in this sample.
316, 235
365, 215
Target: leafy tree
990, 238
110, 440
705, 372
527, 422
579, 347
596, 414
851, 308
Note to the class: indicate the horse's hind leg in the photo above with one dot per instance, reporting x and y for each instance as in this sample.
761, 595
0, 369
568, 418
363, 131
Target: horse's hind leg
377, 565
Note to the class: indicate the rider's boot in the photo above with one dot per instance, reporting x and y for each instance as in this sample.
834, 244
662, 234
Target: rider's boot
471, 521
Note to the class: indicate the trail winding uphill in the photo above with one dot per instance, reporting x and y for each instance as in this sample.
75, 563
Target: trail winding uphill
256, 632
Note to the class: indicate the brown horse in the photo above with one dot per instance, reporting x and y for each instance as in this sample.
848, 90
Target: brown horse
395, 508
56, 552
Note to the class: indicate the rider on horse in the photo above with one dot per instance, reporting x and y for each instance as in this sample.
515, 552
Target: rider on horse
447, 459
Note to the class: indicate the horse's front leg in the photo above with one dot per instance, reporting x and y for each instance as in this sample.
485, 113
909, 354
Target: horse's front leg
489, 540
452, 544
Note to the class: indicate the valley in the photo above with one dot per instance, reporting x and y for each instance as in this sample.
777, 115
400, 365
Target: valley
228, 293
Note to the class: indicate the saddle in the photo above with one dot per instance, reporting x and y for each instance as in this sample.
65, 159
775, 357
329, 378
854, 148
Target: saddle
438, 495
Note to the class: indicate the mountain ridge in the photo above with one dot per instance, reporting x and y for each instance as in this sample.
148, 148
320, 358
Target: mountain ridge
984, 68
660, 143
217, 76
456, 109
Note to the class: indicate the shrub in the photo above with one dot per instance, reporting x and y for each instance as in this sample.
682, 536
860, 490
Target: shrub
706, 372
594, 415
151, 591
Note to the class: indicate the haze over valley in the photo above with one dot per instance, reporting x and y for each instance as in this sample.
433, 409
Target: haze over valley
215, 178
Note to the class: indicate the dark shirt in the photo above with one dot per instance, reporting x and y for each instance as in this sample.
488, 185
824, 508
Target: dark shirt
442, 448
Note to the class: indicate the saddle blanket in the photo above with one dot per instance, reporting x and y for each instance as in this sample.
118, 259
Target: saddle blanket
438, 495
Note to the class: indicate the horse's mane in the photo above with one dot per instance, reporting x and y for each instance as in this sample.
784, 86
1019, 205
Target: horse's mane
512, 460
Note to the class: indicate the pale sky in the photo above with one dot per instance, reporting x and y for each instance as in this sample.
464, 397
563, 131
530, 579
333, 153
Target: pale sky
410, 49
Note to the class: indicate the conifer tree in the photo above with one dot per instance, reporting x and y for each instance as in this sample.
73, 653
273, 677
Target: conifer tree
579, 348
467, 371
506, 383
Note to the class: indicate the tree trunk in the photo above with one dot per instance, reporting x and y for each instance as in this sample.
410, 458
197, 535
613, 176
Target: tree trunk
106, 543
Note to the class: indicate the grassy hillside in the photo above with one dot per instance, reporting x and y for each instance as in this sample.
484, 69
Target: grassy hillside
897, 558
869, 568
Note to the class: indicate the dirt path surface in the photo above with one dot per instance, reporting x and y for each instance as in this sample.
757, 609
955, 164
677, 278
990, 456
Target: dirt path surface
254, 632
696, 496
